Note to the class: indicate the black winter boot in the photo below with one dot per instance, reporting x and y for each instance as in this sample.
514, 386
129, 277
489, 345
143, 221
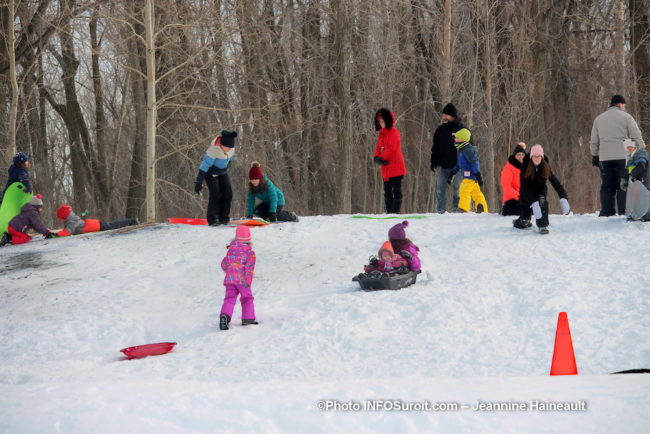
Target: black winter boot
248, 321
521, 224
6, 239
224, 320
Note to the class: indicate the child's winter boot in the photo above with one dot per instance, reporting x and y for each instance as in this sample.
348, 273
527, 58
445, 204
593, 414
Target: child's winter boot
248, 321
6, 239
224, 320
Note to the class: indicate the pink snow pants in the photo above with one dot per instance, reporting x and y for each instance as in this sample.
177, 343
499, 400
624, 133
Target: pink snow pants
247, 306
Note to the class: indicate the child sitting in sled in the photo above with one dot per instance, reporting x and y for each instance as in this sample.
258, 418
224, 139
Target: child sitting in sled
387, 261
75, 225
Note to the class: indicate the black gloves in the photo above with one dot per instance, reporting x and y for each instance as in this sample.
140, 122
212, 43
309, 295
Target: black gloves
249, 217
380, 161
51, 235
406, 255
273, 217
373, 261
197, 187
595, 161
450, 178
479, 179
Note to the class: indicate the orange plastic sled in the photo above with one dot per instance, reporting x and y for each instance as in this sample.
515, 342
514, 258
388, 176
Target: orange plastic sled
248, 222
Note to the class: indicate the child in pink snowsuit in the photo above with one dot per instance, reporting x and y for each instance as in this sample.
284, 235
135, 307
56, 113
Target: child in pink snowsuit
238, 264
387, 261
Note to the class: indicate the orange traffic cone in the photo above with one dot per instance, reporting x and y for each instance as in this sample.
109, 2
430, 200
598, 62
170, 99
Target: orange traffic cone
564, 360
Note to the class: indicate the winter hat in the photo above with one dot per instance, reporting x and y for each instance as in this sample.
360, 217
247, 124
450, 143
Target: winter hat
20, 158
256, 171
386, 247
519, 148
388, 117
397, 232
450, 110
228, 138
463, 134
63, 212
243, 234
629, 143
617, 99
537, 150
36, 201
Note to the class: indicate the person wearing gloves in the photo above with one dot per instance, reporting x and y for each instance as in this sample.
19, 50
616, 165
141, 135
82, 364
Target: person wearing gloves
533, 194
609, 131
388, 155
444, 157
214, 171
260, 187
29, 218
470, 167
75, 225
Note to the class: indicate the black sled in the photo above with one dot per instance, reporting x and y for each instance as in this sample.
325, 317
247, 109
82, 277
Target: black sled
375, 281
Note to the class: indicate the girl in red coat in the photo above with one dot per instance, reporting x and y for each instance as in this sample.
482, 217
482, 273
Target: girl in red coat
388, 155
510, 180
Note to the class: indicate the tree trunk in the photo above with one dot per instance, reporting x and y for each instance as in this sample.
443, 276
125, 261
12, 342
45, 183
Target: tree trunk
136, 187
641, 60
344, 130
11, 54
101, 155
149, 26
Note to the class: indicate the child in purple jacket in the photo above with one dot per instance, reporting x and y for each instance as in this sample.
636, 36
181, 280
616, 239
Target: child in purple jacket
29, 218
238, 264
403, 246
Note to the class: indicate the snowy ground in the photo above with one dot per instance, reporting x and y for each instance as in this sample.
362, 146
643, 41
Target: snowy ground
479, 325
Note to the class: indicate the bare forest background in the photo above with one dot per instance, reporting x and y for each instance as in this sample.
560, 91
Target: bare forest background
117, 101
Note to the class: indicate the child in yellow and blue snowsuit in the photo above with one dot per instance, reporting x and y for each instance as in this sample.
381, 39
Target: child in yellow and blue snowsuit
468, 164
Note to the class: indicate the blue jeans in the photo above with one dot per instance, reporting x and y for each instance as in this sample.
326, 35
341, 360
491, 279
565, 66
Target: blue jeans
441, 189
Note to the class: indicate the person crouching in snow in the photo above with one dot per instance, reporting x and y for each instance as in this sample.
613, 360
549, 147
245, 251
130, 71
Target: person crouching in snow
534, 174
468, 164
29, 218
261, 187
75, 225
386, 261
239, 265
403, 246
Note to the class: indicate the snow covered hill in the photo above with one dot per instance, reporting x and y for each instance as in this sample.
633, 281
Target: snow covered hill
478, 326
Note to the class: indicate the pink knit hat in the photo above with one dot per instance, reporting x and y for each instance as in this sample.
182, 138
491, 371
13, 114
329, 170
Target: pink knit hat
537, 150
243, 234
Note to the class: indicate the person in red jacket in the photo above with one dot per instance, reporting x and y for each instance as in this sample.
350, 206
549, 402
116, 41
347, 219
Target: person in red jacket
510, 180
388, 155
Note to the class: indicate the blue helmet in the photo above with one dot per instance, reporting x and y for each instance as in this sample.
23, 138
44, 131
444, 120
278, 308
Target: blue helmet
20, 158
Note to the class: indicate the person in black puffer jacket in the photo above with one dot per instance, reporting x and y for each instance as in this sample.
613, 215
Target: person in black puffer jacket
532, 197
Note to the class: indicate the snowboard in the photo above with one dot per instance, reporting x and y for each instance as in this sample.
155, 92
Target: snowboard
637, 201
368, 282
401, 217
14, 199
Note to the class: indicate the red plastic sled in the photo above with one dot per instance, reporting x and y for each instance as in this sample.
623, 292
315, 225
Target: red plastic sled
185, 221
148, 350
